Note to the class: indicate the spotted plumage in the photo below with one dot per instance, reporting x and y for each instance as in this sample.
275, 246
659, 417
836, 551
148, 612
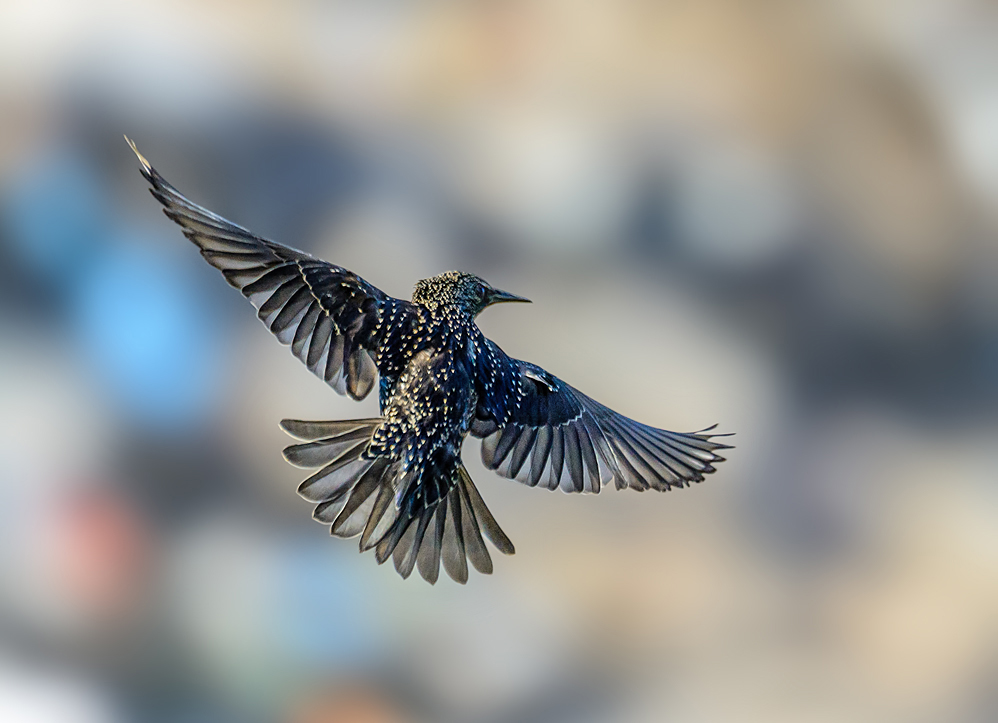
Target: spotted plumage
397, 480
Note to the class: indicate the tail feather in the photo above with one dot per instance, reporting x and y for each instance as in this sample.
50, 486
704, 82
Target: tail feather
316, 454
353, 518
307, 430
472, 533
428, 559
381, 519
453, 551
406, 554
355, 495
491, 528
334, 479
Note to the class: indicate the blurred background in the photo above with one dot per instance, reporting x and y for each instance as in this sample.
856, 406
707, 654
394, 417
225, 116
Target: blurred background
778, 216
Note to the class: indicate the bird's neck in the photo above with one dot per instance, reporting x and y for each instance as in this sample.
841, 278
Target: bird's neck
449, 326
450, 314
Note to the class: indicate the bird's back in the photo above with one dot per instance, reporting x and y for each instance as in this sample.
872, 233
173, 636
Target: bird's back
428, 409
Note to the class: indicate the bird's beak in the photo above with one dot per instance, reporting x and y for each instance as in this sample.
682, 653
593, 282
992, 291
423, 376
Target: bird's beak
497, 296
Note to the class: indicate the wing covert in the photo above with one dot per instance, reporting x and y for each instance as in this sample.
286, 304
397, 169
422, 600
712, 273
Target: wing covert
543, 432
334, 321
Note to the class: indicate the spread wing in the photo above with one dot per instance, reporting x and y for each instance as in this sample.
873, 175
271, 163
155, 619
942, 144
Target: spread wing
541, 431
335, 322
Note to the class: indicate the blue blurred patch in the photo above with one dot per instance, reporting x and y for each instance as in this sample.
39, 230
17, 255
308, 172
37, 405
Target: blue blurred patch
57, 217
323, 617
140, 322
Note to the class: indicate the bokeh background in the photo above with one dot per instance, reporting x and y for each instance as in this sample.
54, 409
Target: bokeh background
775, 215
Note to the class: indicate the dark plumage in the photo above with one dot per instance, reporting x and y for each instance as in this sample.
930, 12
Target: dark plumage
397, 480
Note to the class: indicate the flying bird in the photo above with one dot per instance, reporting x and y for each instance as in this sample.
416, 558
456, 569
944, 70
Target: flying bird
397, 480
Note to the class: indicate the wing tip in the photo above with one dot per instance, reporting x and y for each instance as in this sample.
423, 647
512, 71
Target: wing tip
147, 169
707, 435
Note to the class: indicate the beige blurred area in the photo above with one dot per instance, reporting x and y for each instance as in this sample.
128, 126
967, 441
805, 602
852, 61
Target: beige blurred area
777, 216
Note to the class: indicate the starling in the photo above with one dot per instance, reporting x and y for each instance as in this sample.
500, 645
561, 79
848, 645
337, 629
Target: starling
397, 480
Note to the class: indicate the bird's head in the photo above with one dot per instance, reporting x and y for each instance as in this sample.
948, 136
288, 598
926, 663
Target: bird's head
468, 292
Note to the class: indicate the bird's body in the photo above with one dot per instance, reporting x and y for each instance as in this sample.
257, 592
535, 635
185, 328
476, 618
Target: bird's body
427, 410
398, 480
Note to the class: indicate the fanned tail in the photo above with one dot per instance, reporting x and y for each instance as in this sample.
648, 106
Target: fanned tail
450, 530
355, 495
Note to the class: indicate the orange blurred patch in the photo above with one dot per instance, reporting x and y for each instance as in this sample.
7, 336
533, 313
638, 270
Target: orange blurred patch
347, 704
100, 552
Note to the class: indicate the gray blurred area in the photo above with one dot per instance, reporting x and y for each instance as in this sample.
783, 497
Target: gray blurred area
774, 215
